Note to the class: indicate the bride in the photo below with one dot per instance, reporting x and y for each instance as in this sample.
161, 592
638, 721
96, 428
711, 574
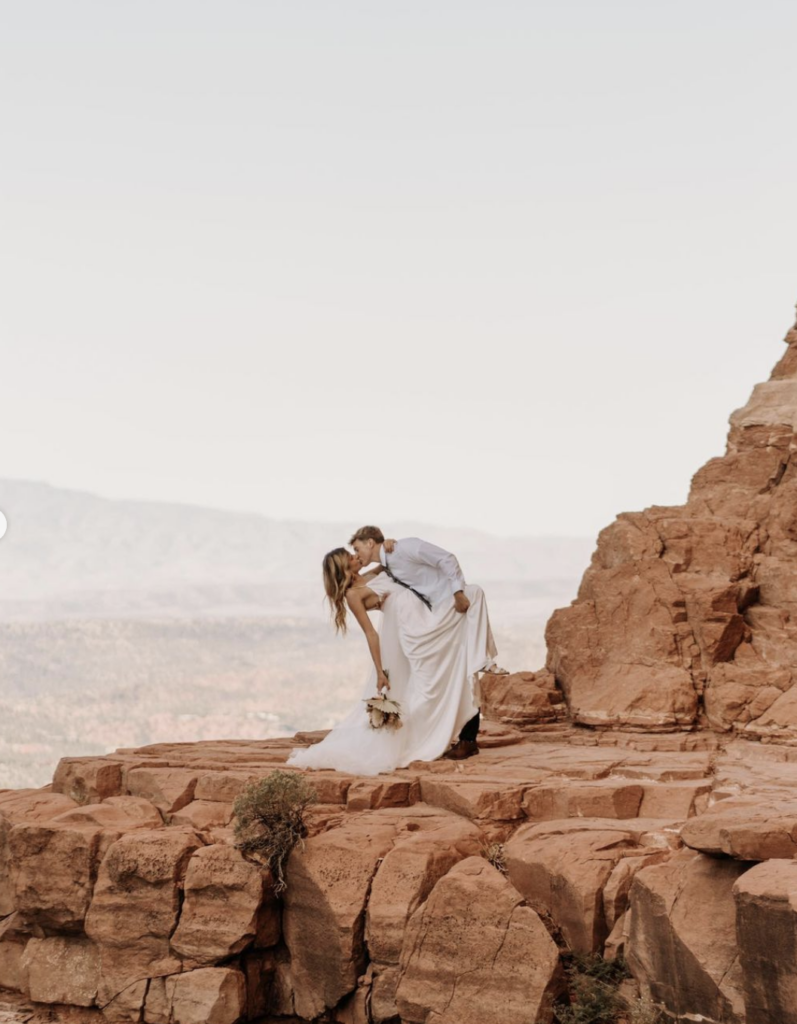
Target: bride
427, 658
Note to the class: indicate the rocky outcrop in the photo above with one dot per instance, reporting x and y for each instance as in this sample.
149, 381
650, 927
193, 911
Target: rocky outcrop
564, 868
681, 940
444, 892
685, 616
637, 796
472, 934
766, 928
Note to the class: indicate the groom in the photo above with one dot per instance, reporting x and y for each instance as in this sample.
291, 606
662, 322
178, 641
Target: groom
434, 576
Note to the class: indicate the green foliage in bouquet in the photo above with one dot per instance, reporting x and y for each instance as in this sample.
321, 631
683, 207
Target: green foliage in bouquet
269, 819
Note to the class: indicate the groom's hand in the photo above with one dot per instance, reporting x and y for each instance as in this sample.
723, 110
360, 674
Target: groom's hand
461, 603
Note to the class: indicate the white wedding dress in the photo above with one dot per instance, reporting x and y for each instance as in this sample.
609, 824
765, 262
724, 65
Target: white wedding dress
432, 658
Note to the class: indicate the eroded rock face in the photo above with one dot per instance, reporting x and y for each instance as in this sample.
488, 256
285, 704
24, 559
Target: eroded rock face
473, 953
51, 869
61, 970
324, 910
522, 698
226, 903
404, 880
744, 830
682, 936
766, 900
181, 927
213, 995
691, 609
135, 908
562, 868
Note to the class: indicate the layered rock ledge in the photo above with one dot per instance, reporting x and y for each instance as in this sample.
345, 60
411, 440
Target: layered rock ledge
122, 892
637, 796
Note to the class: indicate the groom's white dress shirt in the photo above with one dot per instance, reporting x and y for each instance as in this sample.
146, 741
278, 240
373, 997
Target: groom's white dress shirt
430, 570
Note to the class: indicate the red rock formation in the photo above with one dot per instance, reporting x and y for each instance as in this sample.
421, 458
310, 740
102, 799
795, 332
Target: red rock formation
444, 893
685, 616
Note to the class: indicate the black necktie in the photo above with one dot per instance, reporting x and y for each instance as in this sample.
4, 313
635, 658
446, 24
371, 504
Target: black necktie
401, 583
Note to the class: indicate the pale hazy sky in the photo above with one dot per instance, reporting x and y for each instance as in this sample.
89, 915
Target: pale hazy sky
504, 265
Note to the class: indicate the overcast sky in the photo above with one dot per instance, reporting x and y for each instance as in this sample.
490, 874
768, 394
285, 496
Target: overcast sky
495, 264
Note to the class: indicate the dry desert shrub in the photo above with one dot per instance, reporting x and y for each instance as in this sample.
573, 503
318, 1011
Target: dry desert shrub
594, 998
269, 819
495, 853
645, 1011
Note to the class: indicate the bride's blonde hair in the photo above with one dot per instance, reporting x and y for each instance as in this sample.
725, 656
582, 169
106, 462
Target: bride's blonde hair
337, 580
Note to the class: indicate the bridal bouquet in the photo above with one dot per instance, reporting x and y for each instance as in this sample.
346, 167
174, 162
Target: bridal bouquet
383, 713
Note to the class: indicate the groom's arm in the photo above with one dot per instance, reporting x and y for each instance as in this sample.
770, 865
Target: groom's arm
444, 562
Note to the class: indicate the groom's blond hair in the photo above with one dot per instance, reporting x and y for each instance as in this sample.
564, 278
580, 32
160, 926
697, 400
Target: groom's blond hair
369, 533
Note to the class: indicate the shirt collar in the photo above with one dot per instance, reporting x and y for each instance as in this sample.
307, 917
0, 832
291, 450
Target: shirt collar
382, 555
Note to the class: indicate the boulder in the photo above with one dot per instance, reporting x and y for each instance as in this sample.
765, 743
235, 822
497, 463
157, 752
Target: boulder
522, 698
407, 875
52, 869
135, 908
18, 806
324, 909
225, 898
210, 995
618, 652
681, 944
562, 868
88, 780
61, 970
169, 789
766, 930
405, 878
473, 953
748, 828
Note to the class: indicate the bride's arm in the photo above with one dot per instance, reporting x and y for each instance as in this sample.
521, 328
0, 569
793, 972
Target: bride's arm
357, 605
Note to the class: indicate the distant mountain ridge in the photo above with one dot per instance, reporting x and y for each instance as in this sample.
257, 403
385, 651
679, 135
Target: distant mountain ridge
68, 548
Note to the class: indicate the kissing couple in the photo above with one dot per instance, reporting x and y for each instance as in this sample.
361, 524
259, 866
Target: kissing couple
433, 642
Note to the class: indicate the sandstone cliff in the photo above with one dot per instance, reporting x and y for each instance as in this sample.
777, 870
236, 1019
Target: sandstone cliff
637, 796
686, 615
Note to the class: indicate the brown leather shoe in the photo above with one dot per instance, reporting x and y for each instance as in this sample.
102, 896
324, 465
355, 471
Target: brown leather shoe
461, 750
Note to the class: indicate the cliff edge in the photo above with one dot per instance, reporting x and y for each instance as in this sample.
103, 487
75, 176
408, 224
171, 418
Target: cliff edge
636, 796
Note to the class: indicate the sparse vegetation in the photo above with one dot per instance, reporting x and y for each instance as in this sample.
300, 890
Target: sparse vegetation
594, 998
645, 1011
496, 854
269, 819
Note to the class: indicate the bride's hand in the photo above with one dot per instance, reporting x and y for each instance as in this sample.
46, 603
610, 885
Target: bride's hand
390, 545
382, 682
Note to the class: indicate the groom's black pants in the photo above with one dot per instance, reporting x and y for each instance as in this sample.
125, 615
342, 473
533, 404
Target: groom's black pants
470, 730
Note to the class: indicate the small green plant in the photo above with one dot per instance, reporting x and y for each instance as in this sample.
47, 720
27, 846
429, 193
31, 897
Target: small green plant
593, 965
269, 819
594, 998
645, 1011
496, 854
